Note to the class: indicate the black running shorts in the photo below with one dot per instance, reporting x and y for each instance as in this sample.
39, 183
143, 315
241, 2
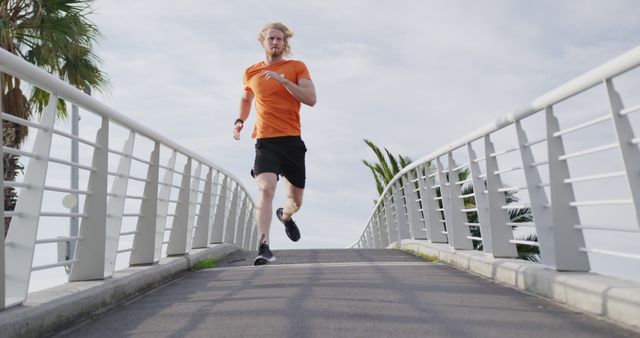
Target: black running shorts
282, 156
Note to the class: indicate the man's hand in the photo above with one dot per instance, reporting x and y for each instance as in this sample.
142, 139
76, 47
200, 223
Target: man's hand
237, 129
304, 92
271, 75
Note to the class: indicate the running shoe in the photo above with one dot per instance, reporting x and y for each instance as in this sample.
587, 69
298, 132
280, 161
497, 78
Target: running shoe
264, 254
290, 227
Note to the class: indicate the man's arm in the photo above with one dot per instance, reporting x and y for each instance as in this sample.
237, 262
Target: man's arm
304, 91
245, 109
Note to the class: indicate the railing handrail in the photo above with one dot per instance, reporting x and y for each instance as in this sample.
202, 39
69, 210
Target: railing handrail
610, 69
18, 67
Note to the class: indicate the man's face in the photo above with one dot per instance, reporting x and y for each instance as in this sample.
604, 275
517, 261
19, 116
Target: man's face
274, 43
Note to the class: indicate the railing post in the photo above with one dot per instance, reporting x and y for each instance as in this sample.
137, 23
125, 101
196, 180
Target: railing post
20, 241
457, 231
480, 197
567, 239
628, 149
146, 238
90, 248
201, 233
232, 218
539, 200
246, 243
382, 225
241, 221
254, 238
401, 213
179, 229
163, 205
432, 222
416, 224
369, 237
392, 229
376, 231
193, 203
115, 206
221, 209
215, 195
496, 239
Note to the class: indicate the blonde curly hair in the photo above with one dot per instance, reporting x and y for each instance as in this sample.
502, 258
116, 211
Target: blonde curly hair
277, 26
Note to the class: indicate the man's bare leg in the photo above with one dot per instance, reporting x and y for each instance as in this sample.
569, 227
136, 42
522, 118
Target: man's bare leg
294, 200
266, 190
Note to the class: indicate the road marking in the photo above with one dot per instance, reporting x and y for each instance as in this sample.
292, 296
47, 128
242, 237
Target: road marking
321, 265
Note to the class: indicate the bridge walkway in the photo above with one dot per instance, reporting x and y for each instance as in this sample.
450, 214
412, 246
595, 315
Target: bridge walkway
338, 293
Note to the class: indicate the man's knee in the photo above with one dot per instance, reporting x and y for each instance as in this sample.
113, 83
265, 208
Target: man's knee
295, 200
267, 190
297, 203
267, 184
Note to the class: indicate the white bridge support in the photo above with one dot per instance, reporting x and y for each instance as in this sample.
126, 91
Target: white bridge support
556, 228
146, 158
21, 238
148, 234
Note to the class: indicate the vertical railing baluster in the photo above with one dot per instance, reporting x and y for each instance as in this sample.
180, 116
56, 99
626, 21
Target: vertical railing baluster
496, 237
20, 241
241, 222
246, 243
149, 230
539, 200
567, 239
457, 232
376, 231
215, 185
461, 230
201, 233
416, 223
232, 218
629, 151
480, 197
401, 215
179, 228
163, 205
193, 203
390, 222
90, 248
382, 225
115, 206
367, 237
221, 207
254, 237
434, 227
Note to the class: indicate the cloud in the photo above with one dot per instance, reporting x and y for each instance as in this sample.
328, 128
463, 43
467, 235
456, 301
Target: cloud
410, 75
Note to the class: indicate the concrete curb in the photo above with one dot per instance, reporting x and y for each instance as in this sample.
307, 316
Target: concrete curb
614, 299
53, 309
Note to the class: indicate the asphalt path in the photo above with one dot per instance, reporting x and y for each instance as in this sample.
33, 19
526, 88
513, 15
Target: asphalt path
338, 293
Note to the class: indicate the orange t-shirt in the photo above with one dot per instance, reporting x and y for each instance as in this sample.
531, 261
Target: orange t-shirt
278, 112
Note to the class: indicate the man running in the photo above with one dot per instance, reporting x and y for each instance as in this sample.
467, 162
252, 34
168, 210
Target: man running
279, 87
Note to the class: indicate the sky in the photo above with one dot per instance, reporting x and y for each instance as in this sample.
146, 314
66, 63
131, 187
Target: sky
411, 76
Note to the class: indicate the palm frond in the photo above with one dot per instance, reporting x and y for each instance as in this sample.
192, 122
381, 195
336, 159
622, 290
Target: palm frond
381, 160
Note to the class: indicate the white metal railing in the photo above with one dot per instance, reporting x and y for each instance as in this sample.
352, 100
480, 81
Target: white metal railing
435, 210
127, 194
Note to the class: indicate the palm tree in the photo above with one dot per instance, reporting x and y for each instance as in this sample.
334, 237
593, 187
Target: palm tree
383, 171
55, 35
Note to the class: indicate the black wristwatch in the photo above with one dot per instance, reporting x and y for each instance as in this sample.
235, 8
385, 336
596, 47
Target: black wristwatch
238, 120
